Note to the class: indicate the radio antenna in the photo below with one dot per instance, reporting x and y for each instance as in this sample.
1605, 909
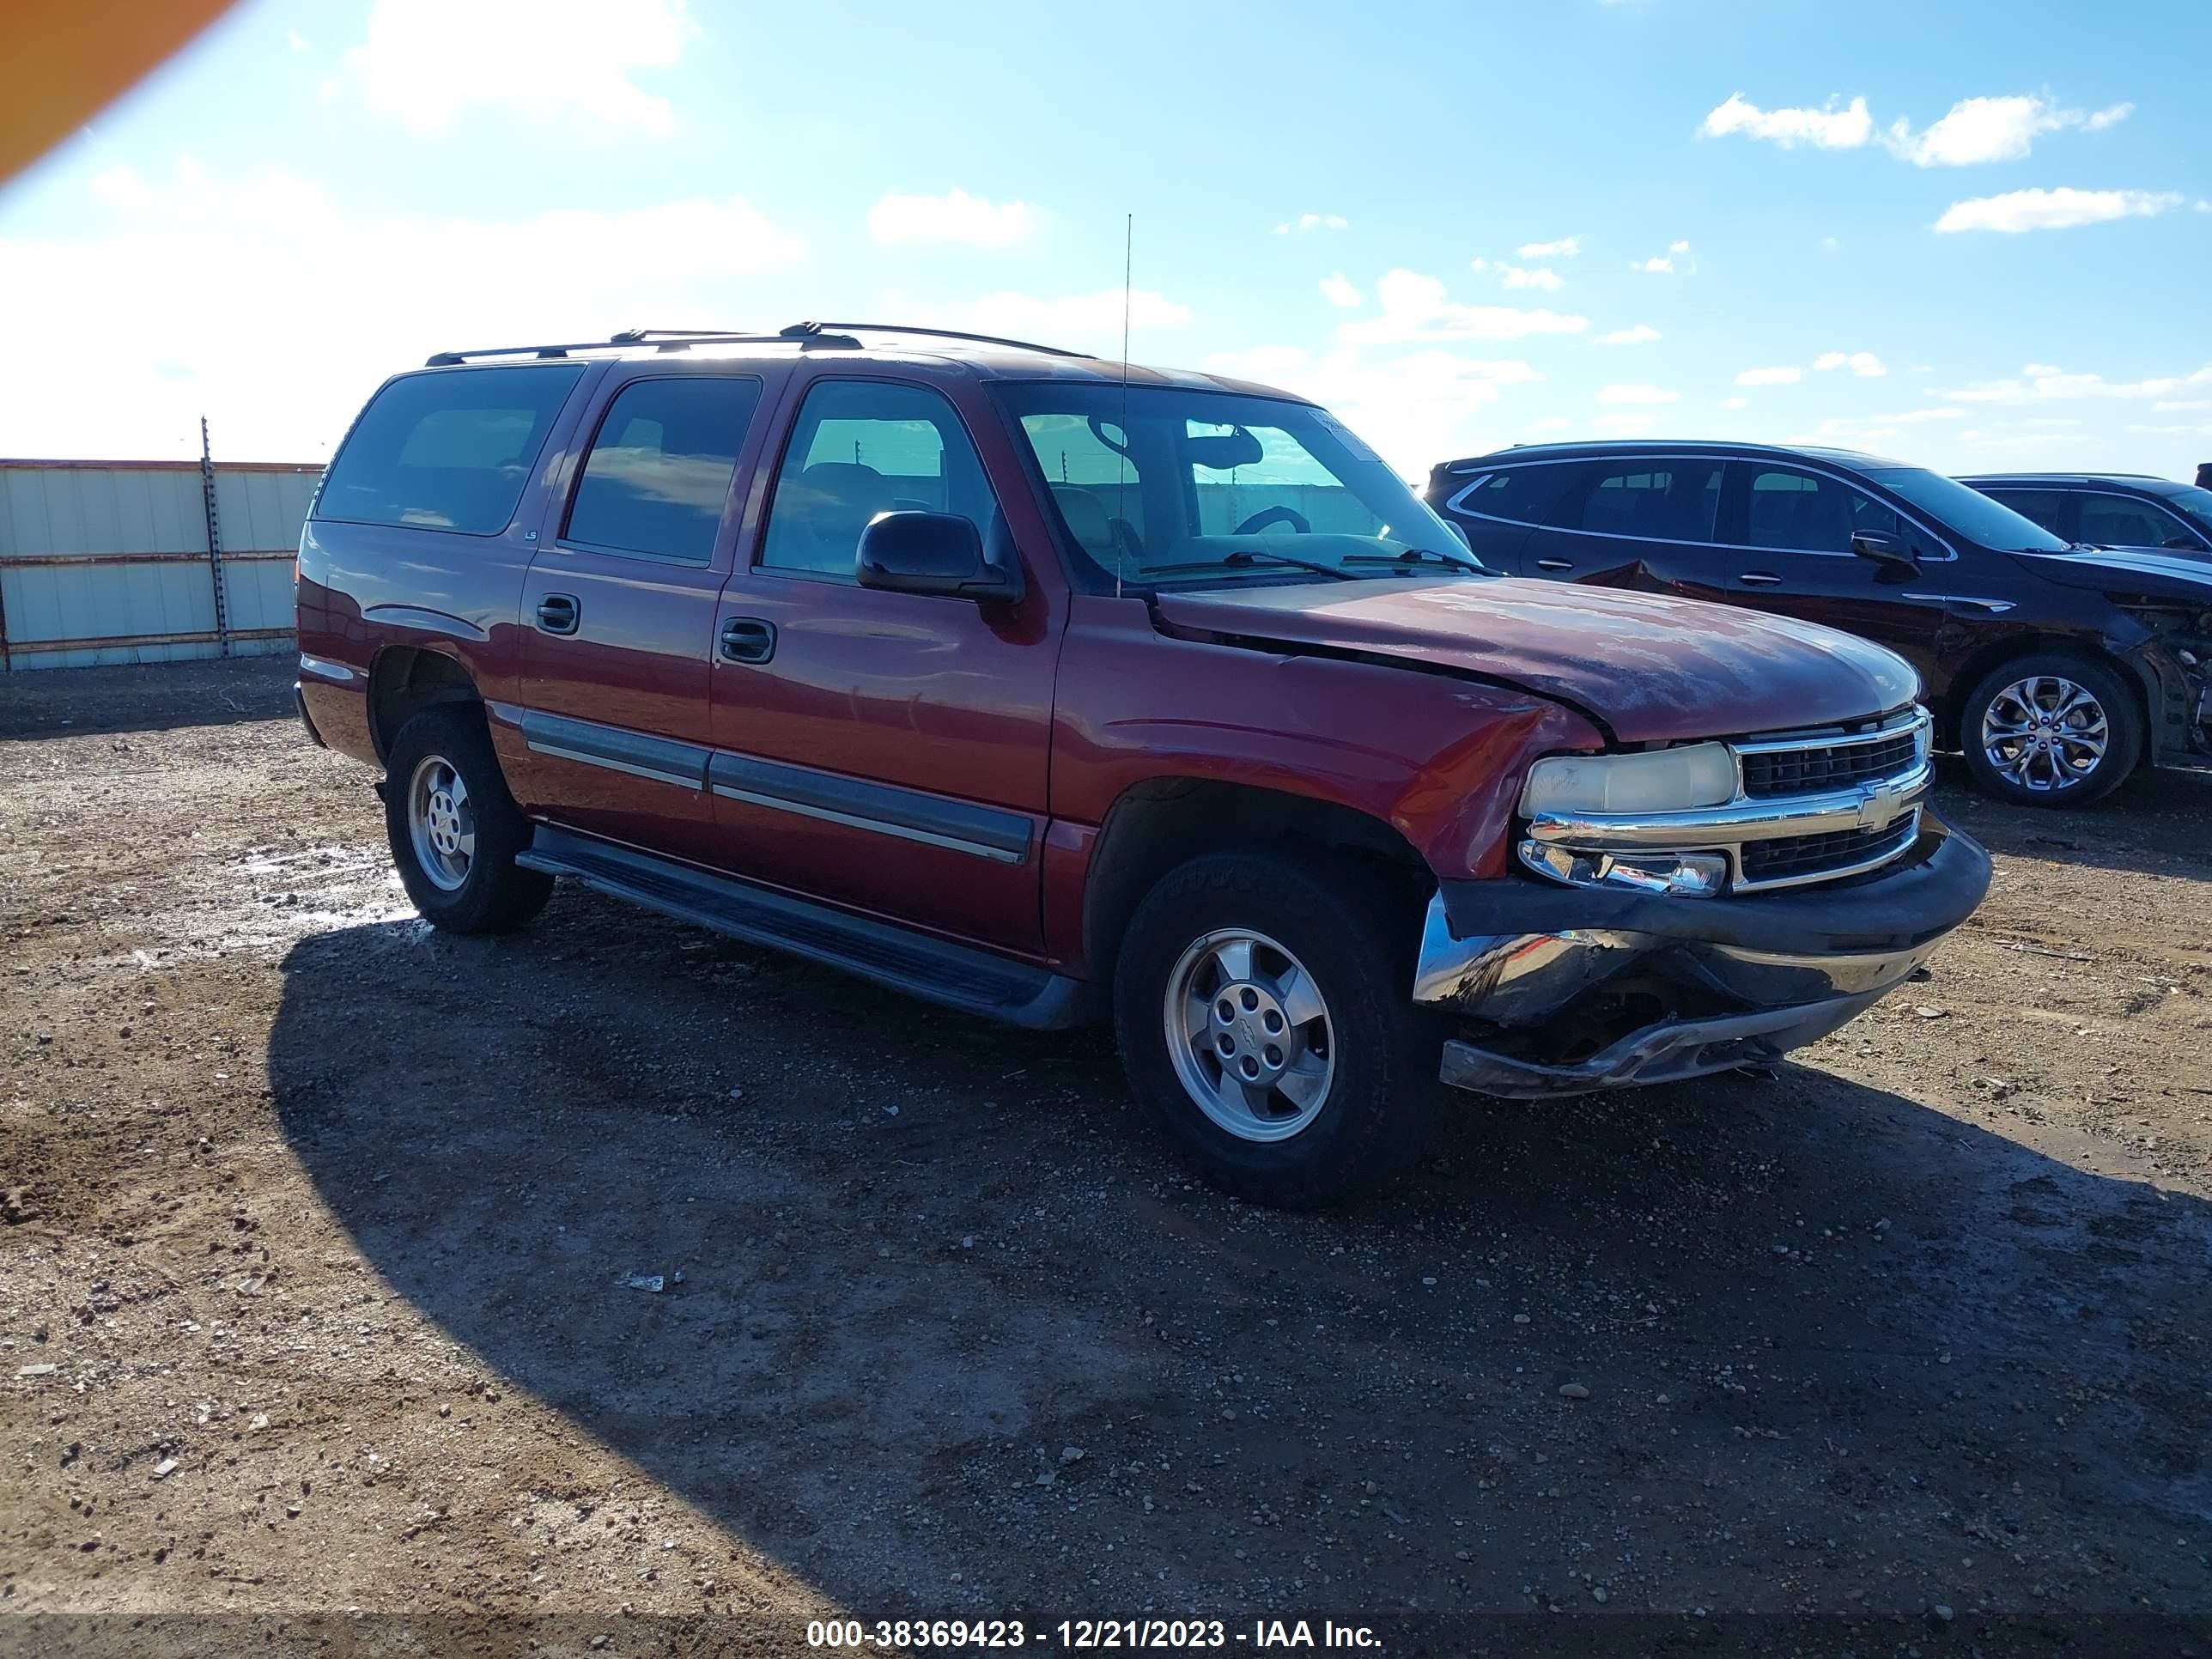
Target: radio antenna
1122, 486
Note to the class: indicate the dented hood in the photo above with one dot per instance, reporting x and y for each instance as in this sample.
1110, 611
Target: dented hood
1652, 668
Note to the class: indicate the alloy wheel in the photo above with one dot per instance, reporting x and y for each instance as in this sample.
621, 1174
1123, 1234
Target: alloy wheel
2045, 733
1249, 1034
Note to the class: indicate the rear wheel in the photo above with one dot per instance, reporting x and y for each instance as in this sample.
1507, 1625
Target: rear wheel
2050, 730
1262, 1007
454, 828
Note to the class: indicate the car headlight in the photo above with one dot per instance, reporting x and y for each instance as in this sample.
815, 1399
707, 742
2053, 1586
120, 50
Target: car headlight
1659, 781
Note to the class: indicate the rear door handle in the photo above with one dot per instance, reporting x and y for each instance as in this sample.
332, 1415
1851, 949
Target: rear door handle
747, 639
1758, 578
559, 613
1555, 564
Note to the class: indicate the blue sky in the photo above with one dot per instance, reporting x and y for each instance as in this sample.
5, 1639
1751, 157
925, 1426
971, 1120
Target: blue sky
1974, 235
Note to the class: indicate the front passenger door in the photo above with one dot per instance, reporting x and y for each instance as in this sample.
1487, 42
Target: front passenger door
1786, 547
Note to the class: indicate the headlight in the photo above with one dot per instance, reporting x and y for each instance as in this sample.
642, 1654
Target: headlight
1661, 781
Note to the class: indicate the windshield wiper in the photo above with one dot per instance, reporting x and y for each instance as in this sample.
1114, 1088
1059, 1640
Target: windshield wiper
1415, 555
1246, 555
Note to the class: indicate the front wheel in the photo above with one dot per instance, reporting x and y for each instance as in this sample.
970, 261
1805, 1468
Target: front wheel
2050, 731
454, 828
1262, 1007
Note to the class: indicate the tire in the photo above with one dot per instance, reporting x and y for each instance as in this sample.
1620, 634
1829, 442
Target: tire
471, 886
1365, 1078
2014, 695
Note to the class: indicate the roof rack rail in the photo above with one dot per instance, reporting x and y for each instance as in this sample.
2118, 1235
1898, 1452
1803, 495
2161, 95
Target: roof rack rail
805, 335
801, 330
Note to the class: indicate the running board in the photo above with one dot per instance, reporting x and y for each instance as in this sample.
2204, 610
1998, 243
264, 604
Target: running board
954, 975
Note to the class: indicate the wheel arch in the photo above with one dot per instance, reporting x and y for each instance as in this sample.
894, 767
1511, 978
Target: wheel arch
403, 680
1155, 825
1951, 707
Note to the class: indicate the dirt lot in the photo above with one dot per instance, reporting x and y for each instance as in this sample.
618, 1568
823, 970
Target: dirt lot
316, 1226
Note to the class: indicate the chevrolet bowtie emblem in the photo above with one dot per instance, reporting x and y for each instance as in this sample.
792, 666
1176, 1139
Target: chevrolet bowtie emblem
1879, 806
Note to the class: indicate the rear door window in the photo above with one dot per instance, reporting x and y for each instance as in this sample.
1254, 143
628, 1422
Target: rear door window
2047, 507
659, 473
1665, 500
450, 449
1521, 494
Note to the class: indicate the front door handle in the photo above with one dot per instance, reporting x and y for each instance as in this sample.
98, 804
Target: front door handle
747, 639
559, 613
1555, 564
1758, 578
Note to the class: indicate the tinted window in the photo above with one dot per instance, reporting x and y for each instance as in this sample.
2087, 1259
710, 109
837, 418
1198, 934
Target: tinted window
2123, 521
449, 450
1801, 512
2043, 506
1526, 495
660, 468
1663, 501
865, 448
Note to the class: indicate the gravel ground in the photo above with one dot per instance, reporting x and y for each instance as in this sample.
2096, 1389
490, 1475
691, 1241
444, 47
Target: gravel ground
314, 1228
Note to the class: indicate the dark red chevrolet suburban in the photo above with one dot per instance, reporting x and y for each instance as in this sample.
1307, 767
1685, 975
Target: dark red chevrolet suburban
1046, 687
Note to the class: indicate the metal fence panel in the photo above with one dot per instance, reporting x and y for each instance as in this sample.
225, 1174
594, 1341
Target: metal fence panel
109, 563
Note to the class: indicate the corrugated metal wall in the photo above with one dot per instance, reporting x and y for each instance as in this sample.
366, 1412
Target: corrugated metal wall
106, 562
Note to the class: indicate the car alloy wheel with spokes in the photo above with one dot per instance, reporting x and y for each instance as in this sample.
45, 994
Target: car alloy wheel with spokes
2045, 733
1249, 1032
441, 821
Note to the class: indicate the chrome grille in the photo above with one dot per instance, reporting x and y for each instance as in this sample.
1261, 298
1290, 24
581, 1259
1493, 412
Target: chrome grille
1788, 857
1820, 767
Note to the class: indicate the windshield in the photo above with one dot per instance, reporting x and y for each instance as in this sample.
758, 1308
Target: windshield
2193, 504
1966, 512
1164, 484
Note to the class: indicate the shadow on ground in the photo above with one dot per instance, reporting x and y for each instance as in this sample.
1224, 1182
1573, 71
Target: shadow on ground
944, 1309
55, 703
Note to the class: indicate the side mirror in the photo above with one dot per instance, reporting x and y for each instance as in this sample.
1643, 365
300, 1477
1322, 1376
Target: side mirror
935, 553
1892, 553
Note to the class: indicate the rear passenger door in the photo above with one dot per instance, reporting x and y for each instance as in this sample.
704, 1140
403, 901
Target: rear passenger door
618, 614
1636, 522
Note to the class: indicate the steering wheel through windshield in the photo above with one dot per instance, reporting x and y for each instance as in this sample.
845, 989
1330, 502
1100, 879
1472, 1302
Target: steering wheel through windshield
1267, 516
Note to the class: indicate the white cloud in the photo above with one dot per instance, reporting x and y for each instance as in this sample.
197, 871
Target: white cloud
1306, 222
1785, 375
1565, 248
1829, 128
1542, 277
2041, 382
1338, 292
1637, 394
1883, 426
424, 61
1624, 426
1979, 130
295, 40
1662, 264
2054, 209
1415, 308
955, 217
1083, 321
1829, 245
1735, 403
2171, 404
1863, 363
274, 258
1639, 335
1414, 409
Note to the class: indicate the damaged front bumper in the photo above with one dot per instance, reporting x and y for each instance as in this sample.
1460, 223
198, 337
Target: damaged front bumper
1561, 990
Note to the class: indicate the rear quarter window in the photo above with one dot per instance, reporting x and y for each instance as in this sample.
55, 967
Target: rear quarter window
448, 450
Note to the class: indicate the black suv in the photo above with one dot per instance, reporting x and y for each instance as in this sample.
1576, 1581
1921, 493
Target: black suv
2054, 668
2108, 509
